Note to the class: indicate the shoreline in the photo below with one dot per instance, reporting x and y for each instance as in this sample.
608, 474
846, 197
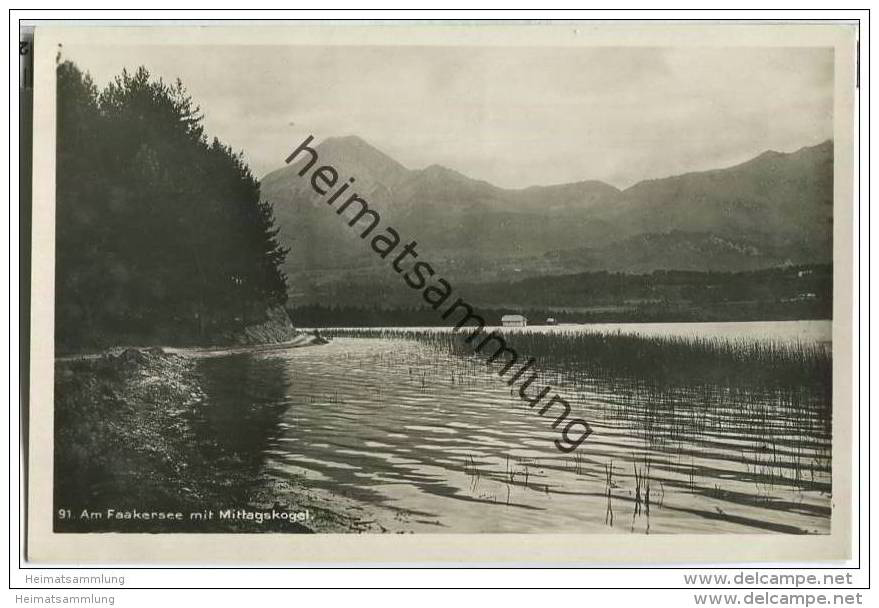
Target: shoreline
132, 436
299, 341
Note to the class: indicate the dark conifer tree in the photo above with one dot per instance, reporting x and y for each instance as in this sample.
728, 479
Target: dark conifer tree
158, 229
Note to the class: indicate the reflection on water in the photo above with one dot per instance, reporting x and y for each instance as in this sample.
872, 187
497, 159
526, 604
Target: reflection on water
246, 398
422, 442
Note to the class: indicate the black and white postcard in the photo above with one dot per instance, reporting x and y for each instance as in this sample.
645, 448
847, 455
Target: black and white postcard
545, 293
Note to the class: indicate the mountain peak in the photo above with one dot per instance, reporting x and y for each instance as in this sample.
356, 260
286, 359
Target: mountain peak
807, 154
352, 146
768, 154
441, 171
351, 156
346, 140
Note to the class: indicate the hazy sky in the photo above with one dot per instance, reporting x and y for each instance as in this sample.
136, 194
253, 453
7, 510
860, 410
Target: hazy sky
512, 116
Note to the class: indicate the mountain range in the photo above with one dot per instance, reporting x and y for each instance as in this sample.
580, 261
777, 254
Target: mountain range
773, 210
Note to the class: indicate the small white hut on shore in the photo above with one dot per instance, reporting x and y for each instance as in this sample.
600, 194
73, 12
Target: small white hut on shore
514, 321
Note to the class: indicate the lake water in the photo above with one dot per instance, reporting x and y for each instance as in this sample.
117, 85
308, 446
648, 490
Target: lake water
402, 439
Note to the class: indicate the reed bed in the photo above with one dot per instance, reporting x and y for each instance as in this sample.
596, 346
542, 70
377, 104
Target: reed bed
661, 360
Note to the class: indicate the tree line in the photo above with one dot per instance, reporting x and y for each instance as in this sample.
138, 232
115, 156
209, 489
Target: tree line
772, 294
161, 234
661, 286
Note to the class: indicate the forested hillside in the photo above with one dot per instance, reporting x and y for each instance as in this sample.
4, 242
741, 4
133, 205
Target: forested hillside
161, 235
